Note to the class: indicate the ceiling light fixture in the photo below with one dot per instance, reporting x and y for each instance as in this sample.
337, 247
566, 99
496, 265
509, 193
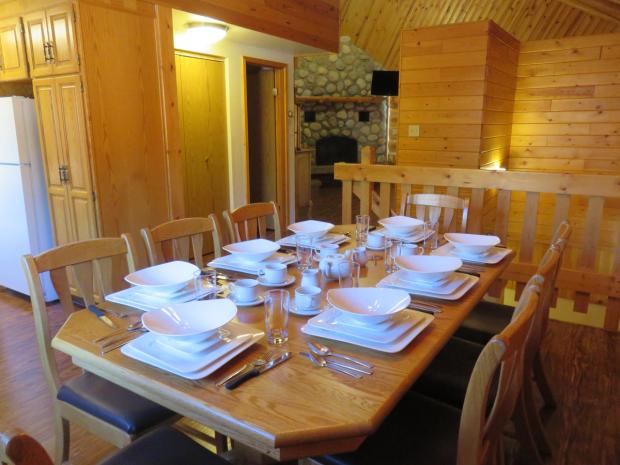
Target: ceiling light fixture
206, 33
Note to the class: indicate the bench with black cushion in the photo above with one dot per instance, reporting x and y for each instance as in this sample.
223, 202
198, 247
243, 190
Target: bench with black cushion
164, 446
484, 321
419, 431
112, 403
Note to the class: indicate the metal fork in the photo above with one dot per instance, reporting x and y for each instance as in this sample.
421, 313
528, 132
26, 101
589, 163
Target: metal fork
261, 360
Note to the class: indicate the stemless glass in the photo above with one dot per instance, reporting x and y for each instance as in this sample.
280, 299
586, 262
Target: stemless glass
348, 274
209, 276
304, 249
362, 223
391, 251
276, 315
430, 230
198, 289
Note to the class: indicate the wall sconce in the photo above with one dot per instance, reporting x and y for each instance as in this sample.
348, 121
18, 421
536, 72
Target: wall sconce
205, 32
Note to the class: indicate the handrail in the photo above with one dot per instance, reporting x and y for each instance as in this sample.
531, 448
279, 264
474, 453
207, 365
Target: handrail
491, 199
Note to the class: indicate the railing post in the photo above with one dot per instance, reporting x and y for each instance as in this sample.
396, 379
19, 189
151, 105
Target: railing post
368, 157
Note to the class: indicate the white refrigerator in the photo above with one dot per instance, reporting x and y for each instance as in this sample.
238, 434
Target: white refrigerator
25, 226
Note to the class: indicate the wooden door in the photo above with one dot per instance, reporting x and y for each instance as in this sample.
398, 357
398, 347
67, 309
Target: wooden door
13, 65
35, 30
51, 148
202, 106
60, 27
72, 128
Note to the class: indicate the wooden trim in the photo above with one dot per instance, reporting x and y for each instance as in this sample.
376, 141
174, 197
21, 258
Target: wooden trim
553, 183
336, 99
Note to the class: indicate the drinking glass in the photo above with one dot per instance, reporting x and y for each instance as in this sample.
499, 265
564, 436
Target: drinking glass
431, 242
348, 274
276, 315
391, 251
209, 277
198, 289
362, 223
304, 249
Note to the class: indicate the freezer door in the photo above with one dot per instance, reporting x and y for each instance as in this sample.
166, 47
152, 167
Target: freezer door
9, 153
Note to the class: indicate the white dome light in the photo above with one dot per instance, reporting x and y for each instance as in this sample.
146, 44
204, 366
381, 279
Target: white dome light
206, 33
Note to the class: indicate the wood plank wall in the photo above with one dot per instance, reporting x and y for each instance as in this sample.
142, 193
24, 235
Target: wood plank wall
457, 84
567, 106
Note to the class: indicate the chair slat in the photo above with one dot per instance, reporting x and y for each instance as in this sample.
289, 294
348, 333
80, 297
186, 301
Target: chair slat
244, 223
591, 234
450, 226
528, 233
560, 213
180, 248
347, 200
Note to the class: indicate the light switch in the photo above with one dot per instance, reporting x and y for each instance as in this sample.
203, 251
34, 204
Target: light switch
414, 130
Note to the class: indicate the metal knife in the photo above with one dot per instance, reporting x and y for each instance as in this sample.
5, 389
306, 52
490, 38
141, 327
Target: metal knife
102, 316
236, 381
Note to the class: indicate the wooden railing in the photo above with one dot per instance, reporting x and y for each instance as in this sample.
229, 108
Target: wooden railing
522, 208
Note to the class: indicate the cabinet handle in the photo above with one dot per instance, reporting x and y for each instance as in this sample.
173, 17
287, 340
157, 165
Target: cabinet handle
60, 176
50, 48
45, 52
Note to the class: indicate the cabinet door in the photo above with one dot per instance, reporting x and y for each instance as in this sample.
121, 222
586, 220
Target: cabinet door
51, 148
72, 128
13, 65
61, 34
35, 28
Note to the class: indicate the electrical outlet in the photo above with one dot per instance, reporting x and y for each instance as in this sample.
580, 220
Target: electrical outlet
414, 130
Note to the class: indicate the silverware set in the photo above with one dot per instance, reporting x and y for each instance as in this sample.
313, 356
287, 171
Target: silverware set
426, 307
323, 357
119, 338
264, 362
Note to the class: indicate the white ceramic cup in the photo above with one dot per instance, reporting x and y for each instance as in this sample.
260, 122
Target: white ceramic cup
411, 249
375, 240
244, 290
328, 249
310, 277
274, 273
307, 298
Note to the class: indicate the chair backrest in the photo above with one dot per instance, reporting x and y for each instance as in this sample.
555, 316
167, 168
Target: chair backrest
171, 240
435, 204
250, 221
17, 448
480, 431
92, 264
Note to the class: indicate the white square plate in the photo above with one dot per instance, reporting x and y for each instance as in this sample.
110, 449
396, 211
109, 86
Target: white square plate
229, 262
392, 281
137, 297
495, 254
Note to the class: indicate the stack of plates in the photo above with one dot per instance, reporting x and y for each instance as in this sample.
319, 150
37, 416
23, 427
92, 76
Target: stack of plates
418, 235
192, 340
369, 317
330, 238
232, 263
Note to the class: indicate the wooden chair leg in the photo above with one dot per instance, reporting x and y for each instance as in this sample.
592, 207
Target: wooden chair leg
527, 445
543, 383
62, 439
534, 419
221, 443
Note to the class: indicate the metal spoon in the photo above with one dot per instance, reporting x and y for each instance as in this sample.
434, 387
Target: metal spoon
320, 349
132, 327
322, 363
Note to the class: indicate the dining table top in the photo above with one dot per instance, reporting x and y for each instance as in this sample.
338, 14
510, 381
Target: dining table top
296, 409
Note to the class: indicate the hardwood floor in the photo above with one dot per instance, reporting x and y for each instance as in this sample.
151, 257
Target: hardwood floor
582, 363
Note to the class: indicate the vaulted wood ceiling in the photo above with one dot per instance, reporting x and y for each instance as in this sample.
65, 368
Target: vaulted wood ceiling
375, 25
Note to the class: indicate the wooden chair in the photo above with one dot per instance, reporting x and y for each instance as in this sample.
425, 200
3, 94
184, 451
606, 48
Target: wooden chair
423, 430
250, 221
176, 235
103, 408
435, 204
164, 446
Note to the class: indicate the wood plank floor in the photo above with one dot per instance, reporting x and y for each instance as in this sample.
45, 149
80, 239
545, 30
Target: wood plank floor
583, 364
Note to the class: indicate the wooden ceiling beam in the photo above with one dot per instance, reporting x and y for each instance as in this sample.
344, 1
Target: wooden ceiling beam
606, 9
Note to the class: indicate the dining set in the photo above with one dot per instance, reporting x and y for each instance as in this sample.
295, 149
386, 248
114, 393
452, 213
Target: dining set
334, 344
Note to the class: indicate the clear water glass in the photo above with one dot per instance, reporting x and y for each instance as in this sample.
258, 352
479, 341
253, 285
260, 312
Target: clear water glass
431, 242
304, 249
348, 274
277, 303
209, 280
391, 251
362, 224
198, 289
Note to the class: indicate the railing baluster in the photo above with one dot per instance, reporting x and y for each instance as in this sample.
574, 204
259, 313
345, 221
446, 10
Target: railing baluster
612, 313
476, 208
384, 199
347, 200
591, 233
560, 213
528, 233
502, 215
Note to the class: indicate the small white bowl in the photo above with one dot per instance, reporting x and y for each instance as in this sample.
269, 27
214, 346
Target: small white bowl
471, 244
311, 228
429, 268
165, 278
369, 304
255, 250
191, 321
401, 225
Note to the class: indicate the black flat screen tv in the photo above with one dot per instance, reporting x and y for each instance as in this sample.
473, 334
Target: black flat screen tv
384, 83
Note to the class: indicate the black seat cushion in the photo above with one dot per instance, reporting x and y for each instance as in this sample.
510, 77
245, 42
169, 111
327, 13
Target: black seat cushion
112, 403
420, 431
447, 376
485, 321
164, 446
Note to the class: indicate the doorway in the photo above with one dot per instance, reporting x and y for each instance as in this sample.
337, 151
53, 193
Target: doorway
266, 133
201, 89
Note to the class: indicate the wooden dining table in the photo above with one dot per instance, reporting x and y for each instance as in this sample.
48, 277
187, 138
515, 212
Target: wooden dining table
296, 409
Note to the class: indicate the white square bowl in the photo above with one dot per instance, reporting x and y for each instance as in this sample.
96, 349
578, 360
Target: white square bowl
428, 268
471, 244
252, 251
401, 225
311, 228
165, 278
369, 304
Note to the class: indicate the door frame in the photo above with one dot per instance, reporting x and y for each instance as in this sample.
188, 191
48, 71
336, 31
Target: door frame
282, 175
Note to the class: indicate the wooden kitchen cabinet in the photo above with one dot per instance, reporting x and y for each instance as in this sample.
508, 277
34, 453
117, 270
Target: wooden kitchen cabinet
62, 132
50, 41
13, 64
